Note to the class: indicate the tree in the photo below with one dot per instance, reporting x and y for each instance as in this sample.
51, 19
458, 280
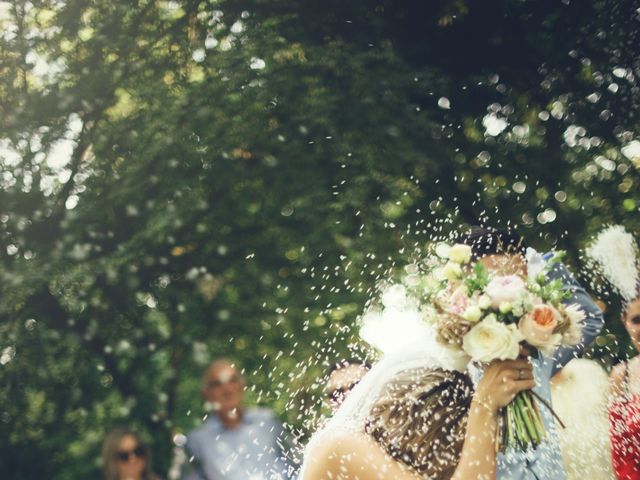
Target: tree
184, 180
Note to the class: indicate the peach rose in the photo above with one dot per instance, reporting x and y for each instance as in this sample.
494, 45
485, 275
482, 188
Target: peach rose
538, 325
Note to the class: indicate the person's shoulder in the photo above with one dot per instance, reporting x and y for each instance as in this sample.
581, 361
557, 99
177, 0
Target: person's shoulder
355, 454
558, 269
264, 418
616, 378
201, 433
258, 414
547, 255
331, 444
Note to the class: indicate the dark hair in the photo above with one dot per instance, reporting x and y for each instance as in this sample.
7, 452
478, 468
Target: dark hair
345, 362
110, 447
490, 241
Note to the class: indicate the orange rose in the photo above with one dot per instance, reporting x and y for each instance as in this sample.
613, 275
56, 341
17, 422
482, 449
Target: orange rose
538, 325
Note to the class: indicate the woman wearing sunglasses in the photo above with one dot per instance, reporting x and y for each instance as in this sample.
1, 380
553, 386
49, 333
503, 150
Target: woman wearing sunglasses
125, 456
616, 252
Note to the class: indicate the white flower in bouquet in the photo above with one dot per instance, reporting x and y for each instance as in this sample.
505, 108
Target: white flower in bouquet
431, 284
536, 264
505, 307
460, 254
484, 302
430, 315
517, 308
442, 250
507, 288
538, 326
472, 314
573, 316
452, 271
490, 339
457, 302
529, 302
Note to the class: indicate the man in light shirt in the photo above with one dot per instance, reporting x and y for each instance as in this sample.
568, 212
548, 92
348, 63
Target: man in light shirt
234, 442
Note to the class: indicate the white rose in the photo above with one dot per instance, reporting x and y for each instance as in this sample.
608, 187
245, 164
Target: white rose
518, 309
484, 302
442, 250
490, 340
460, 253
452, 271
472, 314
491, 317
505, 307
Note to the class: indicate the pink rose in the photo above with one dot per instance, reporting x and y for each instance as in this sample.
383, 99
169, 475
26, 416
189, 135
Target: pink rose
458, 302
538, 325
508, 288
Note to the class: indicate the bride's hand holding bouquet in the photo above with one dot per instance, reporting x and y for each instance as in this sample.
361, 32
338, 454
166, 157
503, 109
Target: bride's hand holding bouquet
492, 315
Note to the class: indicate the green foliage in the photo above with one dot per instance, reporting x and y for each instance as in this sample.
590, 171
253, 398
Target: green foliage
477, 281
187, 180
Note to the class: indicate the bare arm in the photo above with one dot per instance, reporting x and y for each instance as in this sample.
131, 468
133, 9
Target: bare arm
497, 388
478, 459
616, 379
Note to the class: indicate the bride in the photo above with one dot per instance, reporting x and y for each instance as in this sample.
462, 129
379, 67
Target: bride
412, 418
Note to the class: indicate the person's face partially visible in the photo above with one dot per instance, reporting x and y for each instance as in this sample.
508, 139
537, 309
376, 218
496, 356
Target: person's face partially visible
632, 322
505, 264
341, 382
224, 388
130, 459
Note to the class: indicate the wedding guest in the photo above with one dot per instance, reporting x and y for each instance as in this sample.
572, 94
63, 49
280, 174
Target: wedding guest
579, 394
125, 456
504, 252
234, 442
342, 376
624, 412
615, 250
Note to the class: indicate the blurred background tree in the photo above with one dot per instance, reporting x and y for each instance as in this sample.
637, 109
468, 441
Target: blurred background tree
183, 180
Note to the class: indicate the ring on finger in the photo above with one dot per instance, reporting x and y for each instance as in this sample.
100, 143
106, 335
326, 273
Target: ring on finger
520, 374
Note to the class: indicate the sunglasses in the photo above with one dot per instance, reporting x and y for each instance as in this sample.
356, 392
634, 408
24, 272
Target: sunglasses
218, 383
338, 394
125, 455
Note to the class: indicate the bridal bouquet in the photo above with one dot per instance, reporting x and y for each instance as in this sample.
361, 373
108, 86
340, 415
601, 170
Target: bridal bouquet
489, 316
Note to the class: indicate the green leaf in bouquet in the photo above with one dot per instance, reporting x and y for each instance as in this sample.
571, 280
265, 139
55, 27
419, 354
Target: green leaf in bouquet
478, 280
557, 257
508, 318
553, 292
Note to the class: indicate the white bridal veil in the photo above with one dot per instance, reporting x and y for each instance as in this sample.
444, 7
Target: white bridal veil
407, 342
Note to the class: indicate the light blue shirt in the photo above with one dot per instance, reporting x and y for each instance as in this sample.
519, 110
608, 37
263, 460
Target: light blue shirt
251, 451
545, 462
